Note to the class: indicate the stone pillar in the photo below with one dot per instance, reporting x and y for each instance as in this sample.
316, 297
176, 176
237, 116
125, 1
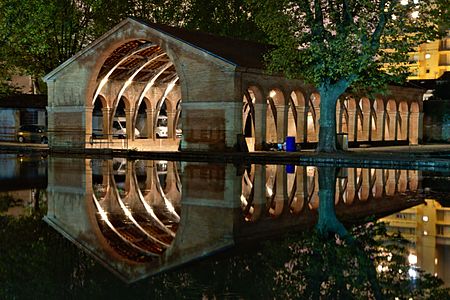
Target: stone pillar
260, 125
379, 133
403, 132
317, 125
392, 126
281, 125
301, 122
170, 125
352, 128
129, 120
338, 118
150, 113
413, 128
364, 137
106, 120
420, 127
88, 123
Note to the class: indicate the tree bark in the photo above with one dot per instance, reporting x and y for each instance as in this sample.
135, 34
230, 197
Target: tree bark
329, 94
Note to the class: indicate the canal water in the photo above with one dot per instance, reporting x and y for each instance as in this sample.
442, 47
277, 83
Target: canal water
154, 229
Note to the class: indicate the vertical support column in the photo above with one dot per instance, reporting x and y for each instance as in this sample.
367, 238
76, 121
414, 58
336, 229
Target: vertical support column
150, 113
170, 125
88, 123
420, 127
413, 128
106, 120
282, 113
403, 132
260, 125
128, 117
365, 127
316, 124
392, 126
352, 125
338, 118
280, 191
379, 133
301, 121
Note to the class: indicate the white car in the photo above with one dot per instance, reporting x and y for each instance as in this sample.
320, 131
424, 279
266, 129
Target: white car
119, 129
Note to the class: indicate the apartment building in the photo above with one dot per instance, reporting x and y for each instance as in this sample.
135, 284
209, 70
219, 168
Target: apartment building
430, 60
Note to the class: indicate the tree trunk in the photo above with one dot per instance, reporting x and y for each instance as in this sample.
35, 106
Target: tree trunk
329, 94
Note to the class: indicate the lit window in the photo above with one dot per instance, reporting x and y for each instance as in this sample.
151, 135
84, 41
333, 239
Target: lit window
425, 232
404, 2
412, 259
427, 56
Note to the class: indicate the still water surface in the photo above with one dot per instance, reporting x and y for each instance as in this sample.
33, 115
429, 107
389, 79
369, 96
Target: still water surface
90, 228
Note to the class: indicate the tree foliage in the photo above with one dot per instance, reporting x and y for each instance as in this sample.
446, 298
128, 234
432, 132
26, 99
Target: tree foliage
36, 35
336, 45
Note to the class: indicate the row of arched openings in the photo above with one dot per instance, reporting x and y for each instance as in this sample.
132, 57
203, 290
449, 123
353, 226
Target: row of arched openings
270, 118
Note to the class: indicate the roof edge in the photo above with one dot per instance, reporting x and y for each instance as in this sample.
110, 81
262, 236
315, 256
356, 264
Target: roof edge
183, 41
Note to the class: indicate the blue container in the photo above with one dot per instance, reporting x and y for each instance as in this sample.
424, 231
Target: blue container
290, 169
290, 144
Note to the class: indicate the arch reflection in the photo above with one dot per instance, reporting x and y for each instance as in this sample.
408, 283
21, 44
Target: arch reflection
137, 205
293, 190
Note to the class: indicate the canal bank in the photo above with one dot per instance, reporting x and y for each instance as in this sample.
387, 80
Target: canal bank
432, 156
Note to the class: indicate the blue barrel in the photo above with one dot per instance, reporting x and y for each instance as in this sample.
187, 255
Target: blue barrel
290, 144
290, 169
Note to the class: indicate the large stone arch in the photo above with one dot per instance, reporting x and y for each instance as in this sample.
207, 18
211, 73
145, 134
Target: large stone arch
74, 84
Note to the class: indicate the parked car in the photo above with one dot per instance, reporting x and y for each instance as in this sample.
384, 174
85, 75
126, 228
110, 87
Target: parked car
119, 129
32, 133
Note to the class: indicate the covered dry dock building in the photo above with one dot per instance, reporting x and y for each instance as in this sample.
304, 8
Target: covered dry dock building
153, 87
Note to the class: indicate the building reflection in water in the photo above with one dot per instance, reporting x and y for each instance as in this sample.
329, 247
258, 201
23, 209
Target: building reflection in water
427, 226
142, 217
